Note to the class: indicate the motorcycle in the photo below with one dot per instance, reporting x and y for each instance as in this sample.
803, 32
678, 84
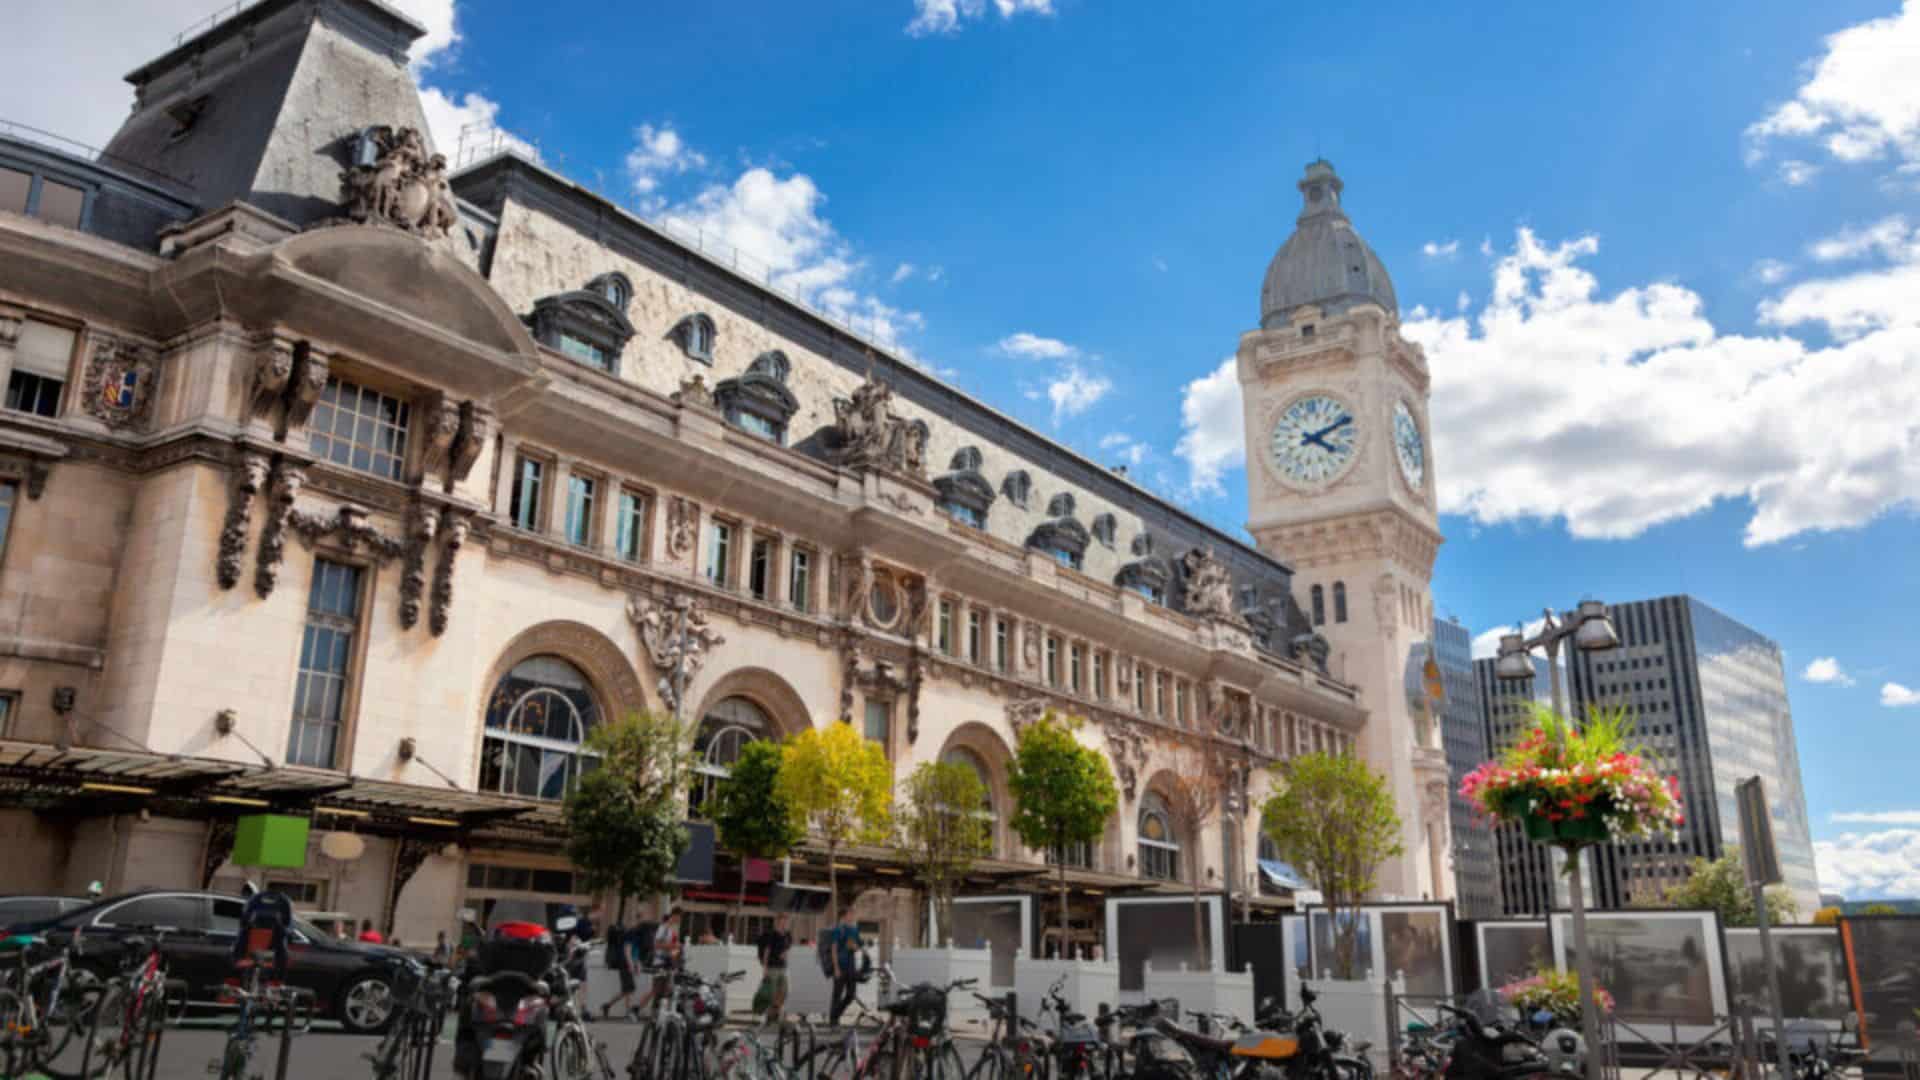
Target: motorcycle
1323, 1054
1153, 1054
1077, 1046
1482, 1051
508, 1004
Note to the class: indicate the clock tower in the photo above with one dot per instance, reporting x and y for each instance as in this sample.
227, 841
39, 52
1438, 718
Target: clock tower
1340, 486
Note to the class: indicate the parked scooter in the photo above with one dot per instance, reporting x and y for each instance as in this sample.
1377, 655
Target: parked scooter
503, 1032
1490, 1051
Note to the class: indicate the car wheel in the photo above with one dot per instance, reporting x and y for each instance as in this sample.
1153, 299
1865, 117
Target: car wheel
366, 1005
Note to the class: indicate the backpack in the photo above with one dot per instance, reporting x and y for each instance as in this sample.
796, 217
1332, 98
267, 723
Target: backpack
615, 955
828, 940
642, 937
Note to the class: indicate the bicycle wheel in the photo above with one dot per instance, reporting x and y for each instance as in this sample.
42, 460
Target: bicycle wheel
15, 1056
940, 1063
572, 1053
233, 1062
994, 1063
738, 1058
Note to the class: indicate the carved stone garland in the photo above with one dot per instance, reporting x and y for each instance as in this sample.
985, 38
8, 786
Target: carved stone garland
676, 635
349, 523
422, 524
1129, 752
453, 533
1027, 710
250, 476
283, 488
683, 516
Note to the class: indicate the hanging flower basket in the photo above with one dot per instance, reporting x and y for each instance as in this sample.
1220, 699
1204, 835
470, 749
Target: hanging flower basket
1573, 787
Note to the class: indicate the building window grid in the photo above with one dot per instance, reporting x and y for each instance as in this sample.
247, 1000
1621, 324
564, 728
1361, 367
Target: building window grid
529, 481
800, 579
326, 662
760, 568
1076, 659
943, 627
1002, 644
974, 627
581, 491
1100, 676
9, 498
631, 529
719, 553
1051, 649
360, 428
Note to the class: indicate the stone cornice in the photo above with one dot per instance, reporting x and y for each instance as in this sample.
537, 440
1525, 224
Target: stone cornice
1383, 533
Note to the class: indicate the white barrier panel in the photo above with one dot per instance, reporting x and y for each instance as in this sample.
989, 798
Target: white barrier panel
942, 966
1229, 992
712, 961
1357, 1009
809, 992
1088, 984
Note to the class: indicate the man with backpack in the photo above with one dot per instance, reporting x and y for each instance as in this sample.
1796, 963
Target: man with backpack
843, 944
663, 956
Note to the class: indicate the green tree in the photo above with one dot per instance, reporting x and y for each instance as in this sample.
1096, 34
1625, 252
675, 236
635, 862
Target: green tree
1721, 884
1063, 794
1870, 909
1826, 916
840, 785
940, 828
624, 816
1333, 819
750, 815
619, 842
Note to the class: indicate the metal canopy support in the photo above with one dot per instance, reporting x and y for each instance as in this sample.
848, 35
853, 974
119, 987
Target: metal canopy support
407, 859
220, 834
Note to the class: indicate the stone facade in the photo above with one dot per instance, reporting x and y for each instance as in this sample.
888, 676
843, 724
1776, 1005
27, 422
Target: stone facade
187, 574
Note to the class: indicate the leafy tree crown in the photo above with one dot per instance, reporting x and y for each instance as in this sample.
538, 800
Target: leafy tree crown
750, 814
1063, 792
838, 782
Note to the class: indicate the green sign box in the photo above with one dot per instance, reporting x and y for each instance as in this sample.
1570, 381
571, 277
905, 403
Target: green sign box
270, 840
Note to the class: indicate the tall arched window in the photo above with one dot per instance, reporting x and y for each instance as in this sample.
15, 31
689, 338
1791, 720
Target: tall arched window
960, 755
1159, 846
1339, 601
1319, 606
725, 731
538, 716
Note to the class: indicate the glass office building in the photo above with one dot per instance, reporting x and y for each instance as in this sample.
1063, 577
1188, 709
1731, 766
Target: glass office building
1463, 733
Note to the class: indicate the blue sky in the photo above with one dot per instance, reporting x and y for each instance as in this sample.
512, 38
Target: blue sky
1665, 260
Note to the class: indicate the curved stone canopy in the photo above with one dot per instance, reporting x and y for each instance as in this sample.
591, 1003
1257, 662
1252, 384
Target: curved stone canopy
1324, 262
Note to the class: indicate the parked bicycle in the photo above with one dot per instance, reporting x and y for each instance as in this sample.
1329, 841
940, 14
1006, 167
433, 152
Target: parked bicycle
912, 1040
133, 1012
424, 993
744, 1055
259, 1003
1016, 1049
680, 1035
46, 1008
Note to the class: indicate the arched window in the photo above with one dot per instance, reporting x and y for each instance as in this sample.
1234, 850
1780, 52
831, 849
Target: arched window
538, 716
960, 755
1339, 601
1159, 846
1319, 606
695, 334
725, 731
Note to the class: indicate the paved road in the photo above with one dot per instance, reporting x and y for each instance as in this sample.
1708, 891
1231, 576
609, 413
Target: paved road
325, 1053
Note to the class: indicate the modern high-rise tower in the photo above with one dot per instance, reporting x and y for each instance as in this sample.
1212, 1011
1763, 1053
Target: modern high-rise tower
1707, 696
1463, 732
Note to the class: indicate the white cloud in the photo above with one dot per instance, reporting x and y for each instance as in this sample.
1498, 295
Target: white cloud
1463, 301
1895, 696
1160, 264
1771, 271
945, 16
477, 118
1212, 429
777, 228
1074, 390
1034, 347
1620, 412
1486, 644
1876, 817
936, 273
1826, 669
1131, 452
1865, 300
658, 152
1861, 99
1870, 866
1798, 173
901, 273
1435, 250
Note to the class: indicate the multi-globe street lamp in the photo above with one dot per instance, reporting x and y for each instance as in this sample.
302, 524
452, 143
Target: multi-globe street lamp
1591, 631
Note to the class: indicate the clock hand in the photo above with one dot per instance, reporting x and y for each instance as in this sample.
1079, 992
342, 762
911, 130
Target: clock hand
1312, 437
1340, 423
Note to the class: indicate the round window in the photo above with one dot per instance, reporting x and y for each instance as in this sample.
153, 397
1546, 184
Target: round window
884, 603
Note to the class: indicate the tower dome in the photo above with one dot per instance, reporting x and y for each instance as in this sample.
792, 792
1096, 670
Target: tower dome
1324, 262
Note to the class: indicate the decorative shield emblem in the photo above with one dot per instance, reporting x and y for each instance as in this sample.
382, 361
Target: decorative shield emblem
119, 381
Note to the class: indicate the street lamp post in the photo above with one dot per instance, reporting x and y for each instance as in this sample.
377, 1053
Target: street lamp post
1591, 631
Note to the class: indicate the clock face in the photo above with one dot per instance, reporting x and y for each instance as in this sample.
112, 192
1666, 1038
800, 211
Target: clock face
1315, 440
1407, 446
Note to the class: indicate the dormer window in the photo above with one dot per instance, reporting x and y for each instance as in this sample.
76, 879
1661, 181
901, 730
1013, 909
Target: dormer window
695, 334
1017, 487
585, 324
1061, 537
965, 495
615, 287
1065, 557
758, 402
1105, 526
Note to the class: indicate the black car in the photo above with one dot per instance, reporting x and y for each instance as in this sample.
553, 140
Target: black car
33, 909
350, 980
